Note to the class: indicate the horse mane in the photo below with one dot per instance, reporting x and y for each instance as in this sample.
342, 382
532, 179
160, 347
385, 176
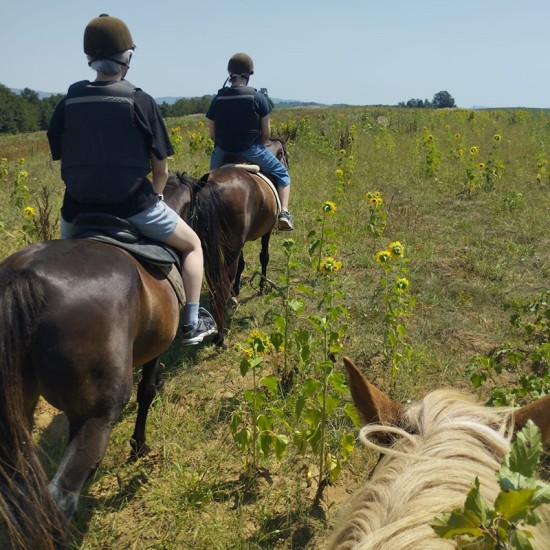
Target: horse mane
184, 177
194, 185
447, 440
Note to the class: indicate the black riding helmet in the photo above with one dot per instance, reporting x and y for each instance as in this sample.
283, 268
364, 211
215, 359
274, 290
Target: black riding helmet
106, 36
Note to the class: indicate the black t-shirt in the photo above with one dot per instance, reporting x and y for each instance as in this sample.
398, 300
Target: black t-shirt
149, 120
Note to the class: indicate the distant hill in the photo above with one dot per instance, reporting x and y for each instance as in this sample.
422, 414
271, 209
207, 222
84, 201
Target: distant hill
41, 95
295, 103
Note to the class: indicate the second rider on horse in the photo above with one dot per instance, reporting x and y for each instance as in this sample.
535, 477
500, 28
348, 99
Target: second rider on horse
239, 124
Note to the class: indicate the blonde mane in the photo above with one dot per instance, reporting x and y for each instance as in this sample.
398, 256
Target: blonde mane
454, 440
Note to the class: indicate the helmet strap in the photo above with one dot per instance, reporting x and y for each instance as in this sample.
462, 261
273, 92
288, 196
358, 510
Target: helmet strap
113, 60
231, 76
127, 65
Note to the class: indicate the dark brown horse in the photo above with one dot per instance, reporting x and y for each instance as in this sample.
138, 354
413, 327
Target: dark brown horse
76, 317
231, 207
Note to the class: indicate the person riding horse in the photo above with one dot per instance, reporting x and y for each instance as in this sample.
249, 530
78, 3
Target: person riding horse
239, 124
109, 135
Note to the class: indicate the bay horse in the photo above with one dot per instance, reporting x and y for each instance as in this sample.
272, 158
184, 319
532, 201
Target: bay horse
438, 447
76, 317
231, 207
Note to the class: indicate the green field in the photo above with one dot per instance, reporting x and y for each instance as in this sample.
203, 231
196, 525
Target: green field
467, 196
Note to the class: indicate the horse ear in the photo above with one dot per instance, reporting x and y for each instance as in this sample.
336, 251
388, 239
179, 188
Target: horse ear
539, 413
373, 405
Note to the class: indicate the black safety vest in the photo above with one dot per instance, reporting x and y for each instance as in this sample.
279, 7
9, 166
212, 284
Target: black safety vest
104, 153
236, 120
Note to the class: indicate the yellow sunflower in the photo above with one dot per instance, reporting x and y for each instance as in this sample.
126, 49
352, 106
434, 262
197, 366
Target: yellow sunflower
29, 212
328, 207
396, 249
402, 285
383, 257
329, 265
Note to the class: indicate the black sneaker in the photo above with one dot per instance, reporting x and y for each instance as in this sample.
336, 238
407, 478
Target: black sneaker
285, 221
205, 327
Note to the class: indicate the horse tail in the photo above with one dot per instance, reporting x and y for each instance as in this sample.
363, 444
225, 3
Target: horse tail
210, 223
28, 516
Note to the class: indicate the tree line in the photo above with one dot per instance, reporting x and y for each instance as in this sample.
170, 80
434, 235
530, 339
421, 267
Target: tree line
441, 100
186, 106
27, 112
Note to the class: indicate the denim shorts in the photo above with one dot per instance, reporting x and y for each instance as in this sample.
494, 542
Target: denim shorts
257, 154
157, 222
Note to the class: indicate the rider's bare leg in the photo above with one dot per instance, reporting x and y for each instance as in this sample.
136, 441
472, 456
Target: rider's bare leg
188, 243
284, 196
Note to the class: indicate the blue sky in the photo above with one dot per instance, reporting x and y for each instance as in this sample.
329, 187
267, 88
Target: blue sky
362, 52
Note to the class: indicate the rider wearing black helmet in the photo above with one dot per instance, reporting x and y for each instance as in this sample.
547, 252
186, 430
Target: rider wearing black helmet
239, 124
109, 135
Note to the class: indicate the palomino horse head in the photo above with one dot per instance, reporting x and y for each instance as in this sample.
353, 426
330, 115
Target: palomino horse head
439, 446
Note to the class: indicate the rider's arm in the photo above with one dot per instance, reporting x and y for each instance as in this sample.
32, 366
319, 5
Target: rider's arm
160, 173
212, 129
265, 130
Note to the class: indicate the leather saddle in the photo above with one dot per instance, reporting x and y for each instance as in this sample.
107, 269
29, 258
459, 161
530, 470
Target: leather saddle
122, 233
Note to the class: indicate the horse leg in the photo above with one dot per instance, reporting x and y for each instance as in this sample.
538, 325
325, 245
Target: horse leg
88, 440
264, 260
147, 389
240, 269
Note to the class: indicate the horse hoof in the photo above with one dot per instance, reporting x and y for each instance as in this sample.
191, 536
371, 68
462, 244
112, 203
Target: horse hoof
218, 340
138, 451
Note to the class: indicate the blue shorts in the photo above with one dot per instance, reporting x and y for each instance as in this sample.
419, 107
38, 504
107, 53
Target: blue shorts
158, 222
257, 154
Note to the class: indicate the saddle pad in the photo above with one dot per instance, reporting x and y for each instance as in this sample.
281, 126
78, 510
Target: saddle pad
173, 274
145, 249
253, 168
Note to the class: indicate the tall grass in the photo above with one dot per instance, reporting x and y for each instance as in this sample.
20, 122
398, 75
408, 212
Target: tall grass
472, 245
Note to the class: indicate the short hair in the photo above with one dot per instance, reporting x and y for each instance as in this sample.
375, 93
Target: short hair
111, 65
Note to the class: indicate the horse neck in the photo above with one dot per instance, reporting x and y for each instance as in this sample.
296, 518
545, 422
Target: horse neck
276, 146
175, 195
